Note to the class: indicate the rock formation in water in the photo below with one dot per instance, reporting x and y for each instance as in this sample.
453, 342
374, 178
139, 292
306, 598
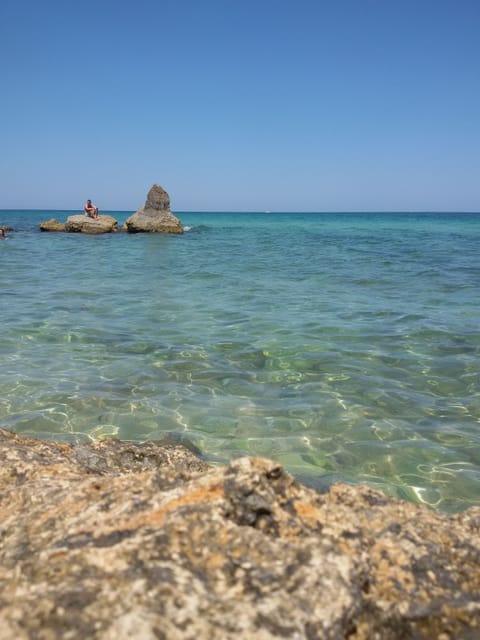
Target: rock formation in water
110, 541
84, 224
52, 225
81, 223
154, 215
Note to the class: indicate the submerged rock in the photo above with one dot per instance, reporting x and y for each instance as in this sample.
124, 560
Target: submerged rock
154, 215
84, 224
111, 540
52, 225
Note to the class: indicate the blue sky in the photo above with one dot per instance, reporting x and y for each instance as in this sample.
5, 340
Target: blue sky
301, 105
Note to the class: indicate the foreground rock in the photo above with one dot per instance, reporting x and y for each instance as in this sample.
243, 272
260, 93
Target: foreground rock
154, 215
113, 541
83, 224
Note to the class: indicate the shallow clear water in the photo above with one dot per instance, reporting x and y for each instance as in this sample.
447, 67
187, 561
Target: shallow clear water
346, 346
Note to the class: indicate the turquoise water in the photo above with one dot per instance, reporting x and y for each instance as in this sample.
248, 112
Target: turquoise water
346, 346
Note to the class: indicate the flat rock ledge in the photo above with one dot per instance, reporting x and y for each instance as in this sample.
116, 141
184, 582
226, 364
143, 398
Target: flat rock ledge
81, 223
113, 540
84, 224
154, 215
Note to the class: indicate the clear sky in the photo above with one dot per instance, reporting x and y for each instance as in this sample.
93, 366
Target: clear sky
281, 105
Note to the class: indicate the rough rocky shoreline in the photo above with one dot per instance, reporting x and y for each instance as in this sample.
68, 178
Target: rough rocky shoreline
114, 540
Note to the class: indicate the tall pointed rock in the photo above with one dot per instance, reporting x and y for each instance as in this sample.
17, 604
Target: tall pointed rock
154, 215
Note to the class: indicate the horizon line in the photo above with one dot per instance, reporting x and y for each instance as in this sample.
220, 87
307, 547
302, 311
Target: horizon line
267, 211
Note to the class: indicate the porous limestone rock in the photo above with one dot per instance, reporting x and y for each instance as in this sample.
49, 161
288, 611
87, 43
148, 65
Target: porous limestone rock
84, 224
52, 225
154, 215
110, 540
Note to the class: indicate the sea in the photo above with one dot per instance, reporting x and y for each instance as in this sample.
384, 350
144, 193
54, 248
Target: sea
346, 346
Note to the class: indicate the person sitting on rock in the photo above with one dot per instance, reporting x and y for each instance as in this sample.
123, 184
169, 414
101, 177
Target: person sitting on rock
91, 210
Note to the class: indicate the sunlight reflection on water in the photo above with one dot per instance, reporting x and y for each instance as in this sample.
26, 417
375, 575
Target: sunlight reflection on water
338, 345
